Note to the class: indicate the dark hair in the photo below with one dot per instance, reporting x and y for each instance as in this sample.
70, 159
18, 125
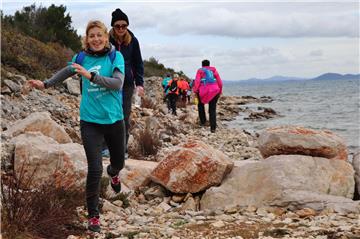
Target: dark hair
205, 63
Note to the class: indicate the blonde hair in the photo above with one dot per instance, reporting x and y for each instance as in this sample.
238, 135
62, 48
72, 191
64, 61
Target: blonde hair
93, 24
126, 39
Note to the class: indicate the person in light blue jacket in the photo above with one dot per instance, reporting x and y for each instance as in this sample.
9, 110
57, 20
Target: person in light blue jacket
101, 114
164, 84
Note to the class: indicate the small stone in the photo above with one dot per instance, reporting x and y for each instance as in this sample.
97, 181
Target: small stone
178, 198
218, 224
118, 203
306, 212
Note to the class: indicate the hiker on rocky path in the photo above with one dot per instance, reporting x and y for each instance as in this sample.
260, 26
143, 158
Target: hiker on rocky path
164, 84
101, 114
208, 87
184, 87
173, 89
126, 42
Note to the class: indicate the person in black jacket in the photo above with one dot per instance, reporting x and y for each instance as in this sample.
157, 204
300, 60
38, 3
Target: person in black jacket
126, 42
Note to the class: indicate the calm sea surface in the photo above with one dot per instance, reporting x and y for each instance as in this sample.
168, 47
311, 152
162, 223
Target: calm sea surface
325, 104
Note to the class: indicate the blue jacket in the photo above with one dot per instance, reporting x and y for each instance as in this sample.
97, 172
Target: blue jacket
134, 66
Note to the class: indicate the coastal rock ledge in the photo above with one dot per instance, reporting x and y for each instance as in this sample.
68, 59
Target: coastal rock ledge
303, 141
293, 181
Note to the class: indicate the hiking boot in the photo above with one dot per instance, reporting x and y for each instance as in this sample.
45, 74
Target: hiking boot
94, 224
114, 181
212, 130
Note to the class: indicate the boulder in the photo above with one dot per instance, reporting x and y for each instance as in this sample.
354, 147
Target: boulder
42, 122
356, 166
136, 173
277, 179
303, 141
43, 157
73, 86
192, 167
14, 87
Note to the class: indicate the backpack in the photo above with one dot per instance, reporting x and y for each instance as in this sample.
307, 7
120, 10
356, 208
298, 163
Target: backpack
81, 56
209, 76
173, 86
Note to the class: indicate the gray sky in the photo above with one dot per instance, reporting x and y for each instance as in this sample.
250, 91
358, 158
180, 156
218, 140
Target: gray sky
242, 39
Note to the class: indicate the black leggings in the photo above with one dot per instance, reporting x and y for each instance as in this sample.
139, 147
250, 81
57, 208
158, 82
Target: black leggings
212, 112
172, 99
93, 135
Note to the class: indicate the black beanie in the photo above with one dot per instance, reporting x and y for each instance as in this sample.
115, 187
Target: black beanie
118, 15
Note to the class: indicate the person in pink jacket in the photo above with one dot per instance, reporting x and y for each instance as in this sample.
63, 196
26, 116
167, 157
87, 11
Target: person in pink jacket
208, 88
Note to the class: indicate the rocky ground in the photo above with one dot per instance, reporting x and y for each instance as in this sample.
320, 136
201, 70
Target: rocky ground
152, 213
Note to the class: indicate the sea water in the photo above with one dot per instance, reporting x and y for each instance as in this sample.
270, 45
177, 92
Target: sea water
318, 104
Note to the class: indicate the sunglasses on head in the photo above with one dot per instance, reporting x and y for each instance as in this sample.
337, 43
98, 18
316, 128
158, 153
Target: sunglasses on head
122, 27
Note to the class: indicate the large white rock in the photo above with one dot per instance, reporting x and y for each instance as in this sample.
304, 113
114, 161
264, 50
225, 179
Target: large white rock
303, 141
44, 157
41, 122
136, 173
192, 167
73, 86
277, 179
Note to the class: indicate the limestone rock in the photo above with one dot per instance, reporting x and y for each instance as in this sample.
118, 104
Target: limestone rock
73, 86
42, 122
192, 167
14, 87
275, 180
136, 173
303, 141
37, 153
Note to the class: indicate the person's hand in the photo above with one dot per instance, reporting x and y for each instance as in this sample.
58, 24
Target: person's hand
140, 90
81, 70
36, 84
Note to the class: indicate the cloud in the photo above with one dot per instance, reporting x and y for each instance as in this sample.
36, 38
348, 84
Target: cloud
316, 53
240, 20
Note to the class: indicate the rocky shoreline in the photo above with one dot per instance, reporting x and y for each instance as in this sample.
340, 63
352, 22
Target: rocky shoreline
152, 210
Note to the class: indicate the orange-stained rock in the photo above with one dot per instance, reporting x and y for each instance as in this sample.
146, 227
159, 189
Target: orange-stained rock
192, 167
302, 141
38, 157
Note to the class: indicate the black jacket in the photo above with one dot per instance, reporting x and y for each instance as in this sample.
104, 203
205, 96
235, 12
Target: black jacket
134, 66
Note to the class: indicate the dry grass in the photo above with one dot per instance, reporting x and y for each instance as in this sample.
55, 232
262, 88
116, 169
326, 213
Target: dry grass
45, 212
148, 143
146, 102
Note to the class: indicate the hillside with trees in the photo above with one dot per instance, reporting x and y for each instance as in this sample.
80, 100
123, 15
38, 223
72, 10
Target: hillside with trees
38, 41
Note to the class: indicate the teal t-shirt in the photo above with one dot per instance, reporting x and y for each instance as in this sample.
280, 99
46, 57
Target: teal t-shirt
99, 104
165, 82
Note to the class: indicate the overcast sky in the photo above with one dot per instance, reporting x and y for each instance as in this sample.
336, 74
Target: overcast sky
242, 39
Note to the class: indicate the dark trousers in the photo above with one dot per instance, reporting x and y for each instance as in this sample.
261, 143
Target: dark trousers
172, 100
168, 102
127, 96
93, 136
212, 112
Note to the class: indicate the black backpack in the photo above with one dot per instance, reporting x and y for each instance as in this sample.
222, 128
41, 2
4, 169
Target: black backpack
173, 86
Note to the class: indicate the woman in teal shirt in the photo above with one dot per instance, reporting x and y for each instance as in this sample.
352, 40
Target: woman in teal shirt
101, 113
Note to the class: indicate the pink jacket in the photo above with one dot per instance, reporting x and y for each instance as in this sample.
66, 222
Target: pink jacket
209, 91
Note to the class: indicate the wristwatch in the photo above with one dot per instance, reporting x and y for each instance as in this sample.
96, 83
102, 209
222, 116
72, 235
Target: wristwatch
93, 74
